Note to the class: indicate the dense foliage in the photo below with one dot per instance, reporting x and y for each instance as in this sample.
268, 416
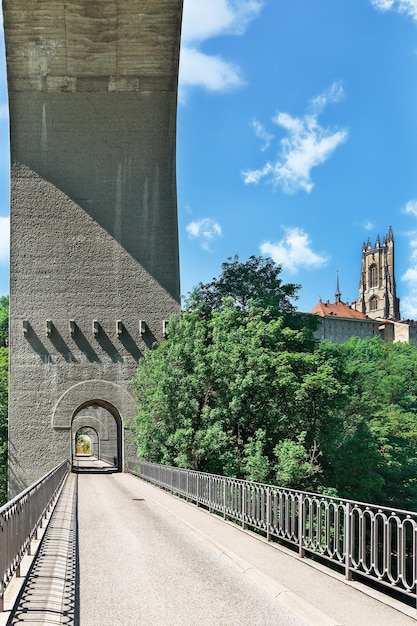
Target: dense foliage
4, 321
256, 280
245, 391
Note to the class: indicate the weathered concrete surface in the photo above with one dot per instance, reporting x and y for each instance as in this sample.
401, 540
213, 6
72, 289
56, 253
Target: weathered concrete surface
92, 93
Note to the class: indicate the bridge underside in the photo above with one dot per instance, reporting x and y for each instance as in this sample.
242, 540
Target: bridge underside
94, 244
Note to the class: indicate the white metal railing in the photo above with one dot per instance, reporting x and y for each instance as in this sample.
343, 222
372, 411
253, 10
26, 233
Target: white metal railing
20, 520
372, 541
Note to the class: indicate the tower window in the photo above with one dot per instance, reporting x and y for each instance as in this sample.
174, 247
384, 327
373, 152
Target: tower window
373, 275
373, 303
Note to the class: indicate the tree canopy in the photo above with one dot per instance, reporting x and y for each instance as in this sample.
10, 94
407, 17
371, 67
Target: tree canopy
241, 388
256, 280
4, 321
223, 391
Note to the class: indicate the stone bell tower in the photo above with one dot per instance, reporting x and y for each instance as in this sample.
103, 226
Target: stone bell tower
377, 292
94, 245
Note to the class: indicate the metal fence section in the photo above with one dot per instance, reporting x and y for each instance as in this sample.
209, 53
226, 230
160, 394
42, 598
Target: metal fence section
20, 520
368, 540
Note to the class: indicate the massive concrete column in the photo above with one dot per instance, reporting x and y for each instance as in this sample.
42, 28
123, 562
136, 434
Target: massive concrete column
94, 245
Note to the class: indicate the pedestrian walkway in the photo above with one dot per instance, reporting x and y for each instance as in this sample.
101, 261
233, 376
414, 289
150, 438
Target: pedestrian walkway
149, 558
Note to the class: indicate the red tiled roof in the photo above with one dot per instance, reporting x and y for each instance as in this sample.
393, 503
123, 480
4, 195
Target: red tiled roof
338, 309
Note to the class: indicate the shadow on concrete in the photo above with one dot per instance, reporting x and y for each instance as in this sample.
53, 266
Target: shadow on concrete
89, 464
37, 345
50, 594
94, 470
108, 346
130, 345
84, 345
149, 338
59, 343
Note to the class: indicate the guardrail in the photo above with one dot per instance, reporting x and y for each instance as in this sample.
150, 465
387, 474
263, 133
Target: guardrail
20, 520
368, 540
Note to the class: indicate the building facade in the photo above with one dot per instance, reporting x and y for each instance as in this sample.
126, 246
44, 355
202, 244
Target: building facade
376, 313
339, 322
377, 290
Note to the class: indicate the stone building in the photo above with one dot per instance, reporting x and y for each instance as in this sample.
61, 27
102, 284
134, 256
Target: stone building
377, 290
339, 322
377, 310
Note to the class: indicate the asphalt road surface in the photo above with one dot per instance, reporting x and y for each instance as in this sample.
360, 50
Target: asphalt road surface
140, 566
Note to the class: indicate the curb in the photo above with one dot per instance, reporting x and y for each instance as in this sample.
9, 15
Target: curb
304, 609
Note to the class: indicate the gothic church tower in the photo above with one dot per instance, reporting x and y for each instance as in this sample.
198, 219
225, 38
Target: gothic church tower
377, 292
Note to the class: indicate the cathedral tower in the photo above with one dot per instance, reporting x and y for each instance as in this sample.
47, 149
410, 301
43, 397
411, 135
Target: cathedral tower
377, 292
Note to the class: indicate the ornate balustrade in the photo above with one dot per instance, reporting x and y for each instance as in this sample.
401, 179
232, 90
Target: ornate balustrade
368, 540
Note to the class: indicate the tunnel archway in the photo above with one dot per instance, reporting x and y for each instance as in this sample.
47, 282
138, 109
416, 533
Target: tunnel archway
86, 442
104, 406
104, 421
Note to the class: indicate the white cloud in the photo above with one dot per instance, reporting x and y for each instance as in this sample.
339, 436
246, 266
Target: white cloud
409, 7
307, 145
409, 307
262, 134
212, 72
294, 251
382, 5
4, 239
368, 225
411, 208
203, 20
409, 301
334, 93
206, 230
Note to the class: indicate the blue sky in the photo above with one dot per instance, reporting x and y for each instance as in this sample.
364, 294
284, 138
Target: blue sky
297, 139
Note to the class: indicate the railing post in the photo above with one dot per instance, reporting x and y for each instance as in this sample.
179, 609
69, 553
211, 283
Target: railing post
348, 543
301, 551
224, 498
243, 505
268, 514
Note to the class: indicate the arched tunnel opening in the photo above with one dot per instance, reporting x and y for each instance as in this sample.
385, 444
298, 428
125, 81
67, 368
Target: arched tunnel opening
96, 439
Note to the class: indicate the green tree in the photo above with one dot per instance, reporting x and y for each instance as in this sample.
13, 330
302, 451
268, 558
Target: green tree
241, 388
373, 455
256, 280
295, 467
224, 389
4, 321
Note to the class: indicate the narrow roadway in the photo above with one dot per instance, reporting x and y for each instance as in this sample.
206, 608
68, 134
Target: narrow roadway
140, 566
146, 558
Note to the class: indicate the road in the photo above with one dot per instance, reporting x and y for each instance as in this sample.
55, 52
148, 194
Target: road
140, 566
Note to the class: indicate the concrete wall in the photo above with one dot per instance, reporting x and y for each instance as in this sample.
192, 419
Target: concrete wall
92, 92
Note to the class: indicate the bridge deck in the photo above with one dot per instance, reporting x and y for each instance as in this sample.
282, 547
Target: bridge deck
148, 558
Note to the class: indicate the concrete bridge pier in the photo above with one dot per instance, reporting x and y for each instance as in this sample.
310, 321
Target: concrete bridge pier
94, 243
